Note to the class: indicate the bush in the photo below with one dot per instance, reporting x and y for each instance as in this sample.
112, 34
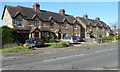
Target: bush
53, 40
108, 38
118, 37
9, 35
65, 44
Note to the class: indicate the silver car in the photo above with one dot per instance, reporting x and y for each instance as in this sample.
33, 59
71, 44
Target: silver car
70, 40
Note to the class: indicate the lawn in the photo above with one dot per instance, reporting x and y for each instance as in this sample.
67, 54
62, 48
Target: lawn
14, 49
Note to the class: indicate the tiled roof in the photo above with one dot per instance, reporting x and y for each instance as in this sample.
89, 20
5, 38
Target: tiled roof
39, 28
93, 22
30, 13
31, 28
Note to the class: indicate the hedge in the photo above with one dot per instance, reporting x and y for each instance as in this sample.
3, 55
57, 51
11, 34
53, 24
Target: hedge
111, 37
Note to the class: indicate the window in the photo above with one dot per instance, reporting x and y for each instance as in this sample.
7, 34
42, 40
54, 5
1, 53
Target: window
75, 26
97, 28
65, 26
36, 22
19, 22
44, 34
51, 24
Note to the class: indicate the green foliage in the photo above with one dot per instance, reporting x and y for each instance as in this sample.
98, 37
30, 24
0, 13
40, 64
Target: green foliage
108, 38
8, 35
65, 44
14, 49
55, 45
117, 37
53, 40
111, 37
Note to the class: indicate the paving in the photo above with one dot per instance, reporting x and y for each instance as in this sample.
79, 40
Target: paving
76, 59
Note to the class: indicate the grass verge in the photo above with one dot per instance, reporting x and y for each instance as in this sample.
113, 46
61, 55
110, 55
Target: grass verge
14, 49
54, 45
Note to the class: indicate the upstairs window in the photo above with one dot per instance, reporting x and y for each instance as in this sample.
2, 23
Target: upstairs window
65, 26
51, 24
97, 28
36, 22
75, 26
19, 22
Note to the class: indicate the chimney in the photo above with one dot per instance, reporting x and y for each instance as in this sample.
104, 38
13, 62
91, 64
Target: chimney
36, 6
85, 16
97, 19
62, 11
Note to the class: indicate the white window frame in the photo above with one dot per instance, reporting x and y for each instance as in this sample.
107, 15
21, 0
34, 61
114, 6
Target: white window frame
51, 26
19, 22
97, 28
36, 22
75, 26
65, 26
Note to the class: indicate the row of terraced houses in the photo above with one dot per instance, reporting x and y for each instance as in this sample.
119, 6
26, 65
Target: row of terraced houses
34, 22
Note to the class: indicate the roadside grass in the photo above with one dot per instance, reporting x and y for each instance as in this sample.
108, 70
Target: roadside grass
54, 45
92, 46
14, 49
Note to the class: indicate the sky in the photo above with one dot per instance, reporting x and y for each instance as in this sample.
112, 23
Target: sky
107, 11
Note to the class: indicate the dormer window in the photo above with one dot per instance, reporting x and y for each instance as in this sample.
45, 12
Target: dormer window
97, 28
19, 22
36, 22
65, 26
51, 24
75, 26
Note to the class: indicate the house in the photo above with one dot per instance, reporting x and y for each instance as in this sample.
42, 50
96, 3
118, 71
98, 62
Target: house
38, 23
93, 27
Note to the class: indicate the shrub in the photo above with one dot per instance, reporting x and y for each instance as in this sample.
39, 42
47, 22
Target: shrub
108, 38
53, 40
8, 35
65, 44
118, 37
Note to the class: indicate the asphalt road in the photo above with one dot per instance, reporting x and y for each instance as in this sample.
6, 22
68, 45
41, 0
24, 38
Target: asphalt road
76, 59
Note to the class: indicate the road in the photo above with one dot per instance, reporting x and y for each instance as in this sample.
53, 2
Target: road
75, 59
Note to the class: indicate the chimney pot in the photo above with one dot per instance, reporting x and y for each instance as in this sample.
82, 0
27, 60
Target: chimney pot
85, 16
62, 11
36, 6
97, 18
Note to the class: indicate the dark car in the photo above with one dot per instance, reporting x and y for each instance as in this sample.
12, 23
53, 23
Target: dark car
34, 42
79, 39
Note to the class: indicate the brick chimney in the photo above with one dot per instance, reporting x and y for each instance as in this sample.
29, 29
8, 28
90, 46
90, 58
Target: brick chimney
85, 16
97, 19
62, 11
36, 6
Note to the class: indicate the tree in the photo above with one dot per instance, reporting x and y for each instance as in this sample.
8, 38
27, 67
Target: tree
9, 35
115, 27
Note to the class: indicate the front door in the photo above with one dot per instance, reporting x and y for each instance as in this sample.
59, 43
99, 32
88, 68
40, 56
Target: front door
59, 35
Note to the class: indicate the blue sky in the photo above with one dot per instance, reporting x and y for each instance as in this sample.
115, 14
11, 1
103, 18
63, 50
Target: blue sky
107, 11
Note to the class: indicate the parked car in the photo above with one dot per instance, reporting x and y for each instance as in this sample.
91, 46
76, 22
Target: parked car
34, 42
79, 39
70, 40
